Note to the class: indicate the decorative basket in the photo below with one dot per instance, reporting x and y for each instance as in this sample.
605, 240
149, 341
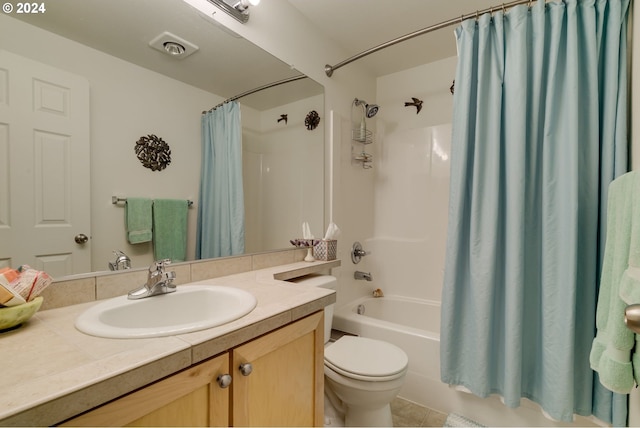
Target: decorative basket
326, 250
13, 316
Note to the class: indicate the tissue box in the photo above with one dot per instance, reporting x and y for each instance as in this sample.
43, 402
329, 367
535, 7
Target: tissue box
326, 249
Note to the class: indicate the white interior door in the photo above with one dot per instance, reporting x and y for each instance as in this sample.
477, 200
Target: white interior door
44, 167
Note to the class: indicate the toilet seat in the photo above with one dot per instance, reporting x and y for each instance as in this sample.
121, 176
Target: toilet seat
366, 359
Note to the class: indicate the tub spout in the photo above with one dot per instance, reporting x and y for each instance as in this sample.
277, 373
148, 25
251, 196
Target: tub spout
363, 275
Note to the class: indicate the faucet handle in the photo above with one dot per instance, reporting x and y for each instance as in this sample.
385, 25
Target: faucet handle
122, 261
159, 265
357, 253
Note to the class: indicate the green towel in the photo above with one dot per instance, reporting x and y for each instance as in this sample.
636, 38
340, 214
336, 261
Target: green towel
137, 220
611, 351
170, 229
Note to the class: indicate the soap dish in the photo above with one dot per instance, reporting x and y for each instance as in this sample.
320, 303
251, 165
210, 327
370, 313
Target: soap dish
12, 316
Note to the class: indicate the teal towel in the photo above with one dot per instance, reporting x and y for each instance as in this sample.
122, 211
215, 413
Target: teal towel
137, 220
170, 229
611, 351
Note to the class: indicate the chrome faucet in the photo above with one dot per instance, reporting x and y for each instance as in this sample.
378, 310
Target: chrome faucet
363, 275
158, 281
122, 261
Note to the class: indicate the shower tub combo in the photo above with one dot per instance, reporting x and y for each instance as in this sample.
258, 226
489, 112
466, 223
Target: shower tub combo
414, 325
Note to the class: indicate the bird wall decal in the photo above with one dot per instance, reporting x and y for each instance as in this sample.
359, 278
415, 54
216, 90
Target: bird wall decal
416, 103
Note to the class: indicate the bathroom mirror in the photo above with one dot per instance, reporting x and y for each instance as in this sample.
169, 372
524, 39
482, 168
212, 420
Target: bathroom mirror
135, 90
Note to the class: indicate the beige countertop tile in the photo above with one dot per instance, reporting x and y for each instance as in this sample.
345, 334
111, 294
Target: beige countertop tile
51, 371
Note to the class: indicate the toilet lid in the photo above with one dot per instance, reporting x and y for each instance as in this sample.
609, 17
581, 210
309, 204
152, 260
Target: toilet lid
360, 357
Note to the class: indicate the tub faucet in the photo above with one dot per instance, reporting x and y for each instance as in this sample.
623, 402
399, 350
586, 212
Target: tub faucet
158, 281
363, 275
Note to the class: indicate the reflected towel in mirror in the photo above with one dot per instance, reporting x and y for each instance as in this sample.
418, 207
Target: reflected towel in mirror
170, 229
138, 220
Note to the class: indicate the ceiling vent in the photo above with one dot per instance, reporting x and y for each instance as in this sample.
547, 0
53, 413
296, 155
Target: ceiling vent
172, 45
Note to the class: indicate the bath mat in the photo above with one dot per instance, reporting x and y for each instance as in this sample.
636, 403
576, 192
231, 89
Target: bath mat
454, 420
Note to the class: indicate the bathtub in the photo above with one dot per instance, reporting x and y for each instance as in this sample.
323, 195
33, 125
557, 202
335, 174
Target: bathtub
414, 325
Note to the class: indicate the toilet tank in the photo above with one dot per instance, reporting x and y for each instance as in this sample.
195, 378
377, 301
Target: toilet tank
324, 281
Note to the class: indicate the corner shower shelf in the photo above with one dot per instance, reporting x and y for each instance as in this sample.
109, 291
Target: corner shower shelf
363, 136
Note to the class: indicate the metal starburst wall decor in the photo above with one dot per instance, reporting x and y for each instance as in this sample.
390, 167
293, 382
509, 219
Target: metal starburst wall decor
153, 152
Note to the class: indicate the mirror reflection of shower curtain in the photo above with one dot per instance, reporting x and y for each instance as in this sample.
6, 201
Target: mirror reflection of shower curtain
221, 204
539, 132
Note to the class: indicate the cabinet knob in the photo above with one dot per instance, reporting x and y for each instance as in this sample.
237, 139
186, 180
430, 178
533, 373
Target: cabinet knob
246, 369
224, 380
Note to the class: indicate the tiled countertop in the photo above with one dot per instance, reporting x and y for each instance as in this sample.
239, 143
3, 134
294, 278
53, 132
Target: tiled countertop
51, 371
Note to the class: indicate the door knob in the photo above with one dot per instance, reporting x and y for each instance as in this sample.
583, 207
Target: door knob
224, 380
81, 238
246, 369
632, 317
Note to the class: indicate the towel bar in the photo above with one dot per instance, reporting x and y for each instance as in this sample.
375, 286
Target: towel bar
116, 199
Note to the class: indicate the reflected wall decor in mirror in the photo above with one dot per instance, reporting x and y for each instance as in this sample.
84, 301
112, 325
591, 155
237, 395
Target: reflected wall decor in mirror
95, 85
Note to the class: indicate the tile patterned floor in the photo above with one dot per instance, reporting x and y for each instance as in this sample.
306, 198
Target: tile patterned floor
408, 414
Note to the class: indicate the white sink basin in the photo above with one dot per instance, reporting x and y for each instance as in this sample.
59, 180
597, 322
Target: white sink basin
190, 308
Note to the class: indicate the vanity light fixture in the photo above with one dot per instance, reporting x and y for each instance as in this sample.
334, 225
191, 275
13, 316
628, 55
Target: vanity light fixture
244, 4
239, 9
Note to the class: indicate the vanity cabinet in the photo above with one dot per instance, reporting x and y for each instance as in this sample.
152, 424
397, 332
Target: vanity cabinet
285, 386
276, 380
191, 397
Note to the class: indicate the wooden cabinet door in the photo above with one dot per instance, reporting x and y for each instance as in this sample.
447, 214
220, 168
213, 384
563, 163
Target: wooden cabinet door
285, 386
189, 398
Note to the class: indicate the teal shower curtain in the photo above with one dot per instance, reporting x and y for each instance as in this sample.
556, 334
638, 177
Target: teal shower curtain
539, 131
221, 206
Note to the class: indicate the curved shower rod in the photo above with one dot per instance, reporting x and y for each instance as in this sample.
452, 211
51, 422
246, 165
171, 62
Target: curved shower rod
329, 69
258, 89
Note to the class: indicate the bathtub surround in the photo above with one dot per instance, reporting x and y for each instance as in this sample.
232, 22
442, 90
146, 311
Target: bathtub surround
281, 168
221, 209
535, 144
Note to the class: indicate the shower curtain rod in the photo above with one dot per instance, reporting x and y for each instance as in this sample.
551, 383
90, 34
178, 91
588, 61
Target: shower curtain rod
258, 89
329, 69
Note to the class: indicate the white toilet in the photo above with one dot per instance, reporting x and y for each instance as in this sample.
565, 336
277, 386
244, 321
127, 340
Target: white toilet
362, 376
